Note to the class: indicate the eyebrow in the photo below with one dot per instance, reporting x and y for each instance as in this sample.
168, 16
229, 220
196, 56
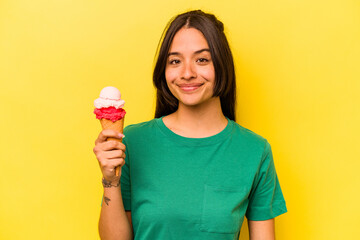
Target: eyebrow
197, 52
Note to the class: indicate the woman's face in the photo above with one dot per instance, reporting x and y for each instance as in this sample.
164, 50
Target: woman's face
189, 71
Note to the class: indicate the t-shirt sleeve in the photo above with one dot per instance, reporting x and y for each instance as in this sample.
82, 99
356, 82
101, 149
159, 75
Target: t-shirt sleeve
125, 181
266, 200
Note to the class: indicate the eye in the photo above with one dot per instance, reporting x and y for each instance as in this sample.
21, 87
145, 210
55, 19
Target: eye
174, 61
202, 60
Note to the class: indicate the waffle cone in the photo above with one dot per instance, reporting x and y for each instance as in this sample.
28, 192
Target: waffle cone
117, 126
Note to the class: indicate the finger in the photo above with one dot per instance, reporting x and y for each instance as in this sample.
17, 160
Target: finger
111, 164
107, 157
122, 163
110, 155
104, 134
110, 145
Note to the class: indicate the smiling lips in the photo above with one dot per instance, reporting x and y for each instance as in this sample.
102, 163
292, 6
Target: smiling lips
189, 87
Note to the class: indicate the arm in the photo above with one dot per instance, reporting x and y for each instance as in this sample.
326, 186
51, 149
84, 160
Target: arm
262, 230
266, 200
114, 222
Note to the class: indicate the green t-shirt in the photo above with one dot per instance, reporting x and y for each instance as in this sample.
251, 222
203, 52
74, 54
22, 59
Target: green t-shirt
197, 188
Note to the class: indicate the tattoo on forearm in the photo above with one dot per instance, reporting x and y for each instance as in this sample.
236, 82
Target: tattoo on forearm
108, 184
107, 200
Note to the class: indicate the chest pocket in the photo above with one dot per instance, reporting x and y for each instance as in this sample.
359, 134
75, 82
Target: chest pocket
223, 209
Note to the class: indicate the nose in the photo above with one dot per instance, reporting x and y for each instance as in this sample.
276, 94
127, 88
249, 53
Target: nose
188, 71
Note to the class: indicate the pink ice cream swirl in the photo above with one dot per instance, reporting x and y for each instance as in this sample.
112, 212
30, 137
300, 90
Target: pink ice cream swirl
110, 113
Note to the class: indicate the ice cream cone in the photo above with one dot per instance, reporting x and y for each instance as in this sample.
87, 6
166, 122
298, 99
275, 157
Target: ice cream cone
117, 126
109, 109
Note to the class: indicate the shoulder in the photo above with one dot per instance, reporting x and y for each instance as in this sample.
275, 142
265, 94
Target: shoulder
248, 137
247, 133
140, 128
143, 135
143, 132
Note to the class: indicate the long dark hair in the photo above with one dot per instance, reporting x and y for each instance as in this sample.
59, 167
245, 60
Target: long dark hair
225, 82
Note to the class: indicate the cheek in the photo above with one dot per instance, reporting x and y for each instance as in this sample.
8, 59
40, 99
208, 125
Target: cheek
170, 75
208, 74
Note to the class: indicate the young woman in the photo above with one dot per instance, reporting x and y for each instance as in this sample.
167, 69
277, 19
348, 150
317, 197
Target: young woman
192, 172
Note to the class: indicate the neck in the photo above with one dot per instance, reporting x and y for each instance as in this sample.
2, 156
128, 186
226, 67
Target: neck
199, 121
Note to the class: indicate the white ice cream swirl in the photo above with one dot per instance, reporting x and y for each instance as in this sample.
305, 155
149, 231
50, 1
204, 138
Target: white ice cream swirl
109, 97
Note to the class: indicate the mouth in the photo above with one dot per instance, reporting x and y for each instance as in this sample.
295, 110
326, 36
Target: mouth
190, 87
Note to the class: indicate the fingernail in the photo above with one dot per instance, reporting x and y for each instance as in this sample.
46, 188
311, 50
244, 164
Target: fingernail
121, 135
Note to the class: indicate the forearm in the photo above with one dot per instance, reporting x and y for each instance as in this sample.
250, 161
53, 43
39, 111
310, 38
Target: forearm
113, 223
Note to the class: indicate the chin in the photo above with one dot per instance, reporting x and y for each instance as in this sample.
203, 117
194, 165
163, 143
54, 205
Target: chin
193, 102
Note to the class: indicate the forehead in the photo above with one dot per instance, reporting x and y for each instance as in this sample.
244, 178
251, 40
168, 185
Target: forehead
188, 39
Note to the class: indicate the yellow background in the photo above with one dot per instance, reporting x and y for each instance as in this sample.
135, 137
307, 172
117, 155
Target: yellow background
297, 64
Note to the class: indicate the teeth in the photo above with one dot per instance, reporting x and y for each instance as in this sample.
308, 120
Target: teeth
190, 88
